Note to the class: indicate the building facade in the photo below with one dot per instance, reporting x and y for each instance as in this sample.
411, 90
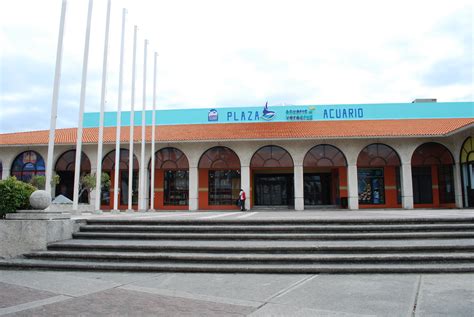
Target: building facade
340, 157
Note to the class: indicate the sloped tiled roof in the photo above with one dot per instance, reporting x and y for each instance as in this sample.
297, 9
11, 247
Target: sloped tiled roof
254, 131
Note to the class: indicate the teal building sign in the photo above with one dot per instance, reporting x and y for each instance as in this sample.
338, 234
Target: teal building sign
289, 113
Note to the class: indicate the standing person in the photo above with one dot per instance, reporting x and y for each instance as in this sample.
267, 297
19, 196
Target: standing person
242, 200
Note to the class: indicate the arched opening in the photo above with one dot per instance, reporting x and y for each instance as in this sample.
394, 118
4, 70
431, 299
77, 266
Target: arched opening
219, 178
28, 164
432, 175
272, 176
108, 166
171, 179
467, 171
325, 176
378, 177
64, 168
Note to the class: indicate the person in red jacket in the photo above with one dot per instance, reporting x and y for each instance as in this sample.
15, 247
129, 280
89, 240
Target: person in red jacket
242, 200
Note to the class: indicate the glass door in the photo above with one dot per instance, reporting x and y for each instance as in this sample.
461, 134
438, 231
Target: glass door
274, 190
317, 189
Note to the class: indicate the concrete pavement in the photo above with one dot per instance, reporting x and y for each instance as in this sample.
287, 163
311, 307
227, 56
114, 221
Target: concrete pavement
69, 293
51, 293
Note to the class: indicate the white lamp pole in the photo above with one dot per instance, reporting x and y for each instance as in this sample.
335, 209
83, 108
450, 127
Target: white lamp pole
153, 123
54, 103
77, 168
102, 106
119, 113
132, 122
142, 190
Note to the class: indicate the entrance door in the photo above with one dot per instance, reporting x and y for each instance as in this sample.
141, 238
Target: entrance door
274, 190
422, 185
317, 189
468, 184
108, 195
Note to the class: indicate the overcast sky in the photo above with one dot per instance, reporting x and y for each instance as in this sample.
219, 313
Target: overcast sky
237, 53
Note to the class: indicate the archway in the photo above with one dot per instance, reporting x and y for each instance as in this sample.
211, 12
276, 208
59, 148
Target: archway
467, 171
108, 166
219, 178
64, 168
325, 176
171, 179
272, 173
28, 164
378, 177
432, 174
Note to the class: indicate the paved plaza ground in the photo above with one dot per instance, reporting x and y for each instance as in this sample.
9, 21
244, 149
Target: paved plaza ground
49, 293
69, 293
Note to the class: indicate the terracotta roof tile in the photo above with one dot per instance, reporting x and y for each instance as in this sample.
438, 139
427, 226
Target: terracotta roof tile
263, 130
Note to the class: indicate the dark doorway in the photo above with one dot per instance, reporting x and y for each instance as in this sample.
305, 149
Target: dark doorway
422, 185
274, 190
317, 189
66, 186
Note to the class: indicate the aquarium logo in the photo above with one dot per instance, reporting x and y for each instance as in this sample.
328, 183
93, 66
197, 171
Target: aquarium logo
268, 115
212, 115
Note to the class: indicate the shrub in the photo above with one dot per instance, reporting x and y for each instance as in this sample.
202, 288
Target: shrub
88, 182
14, 195
39, 181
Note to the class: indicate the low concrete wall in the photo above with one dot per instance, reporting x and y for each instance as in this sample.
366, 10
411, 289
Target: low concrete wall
21, 236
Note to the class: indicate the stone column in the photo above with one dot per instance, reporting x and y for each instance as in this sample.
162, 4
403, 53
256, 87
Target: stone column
457, 185
352, 187
193, 188
299, 187
5, 172
245, 183
407, 186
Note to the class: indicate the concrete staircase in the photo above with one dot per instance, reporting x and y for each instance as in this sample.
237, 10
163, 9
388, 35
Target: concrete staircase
342, 245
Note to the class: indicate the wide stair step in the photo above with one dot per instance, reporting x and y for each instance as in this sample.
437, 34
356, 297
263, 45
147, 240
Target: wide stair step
238, 268
315, 245
252, 258
273, 236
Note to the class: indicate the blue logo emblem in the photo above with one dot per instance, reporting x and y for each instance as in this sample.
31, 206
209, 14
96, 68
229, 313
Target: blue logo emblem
212, 115
268, 115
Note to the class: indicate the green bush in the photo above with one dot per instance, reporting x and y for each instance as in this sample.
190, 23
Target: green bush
14, 195
38, 181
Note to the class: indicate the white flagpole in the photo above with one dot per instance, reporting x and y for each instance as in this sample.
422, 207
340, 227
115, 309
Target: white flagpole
119, 114
142, 190
153, 123
102, 106
132, 122
54, 103
77, 168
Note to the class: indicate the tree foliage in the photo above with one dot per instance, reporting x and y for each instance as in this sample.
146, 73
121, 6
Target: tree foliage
14, 195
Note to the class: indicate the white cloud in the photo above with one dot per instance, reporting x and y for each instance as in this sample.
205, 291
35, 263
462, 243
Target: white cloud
222, 53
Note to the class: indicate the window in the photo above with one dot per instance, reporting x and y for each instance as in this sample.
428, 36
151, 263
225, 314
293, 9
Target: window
271, 156
371, 186
28, 164
324, 155
176, 188
446, 184
427, 158
224, 187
